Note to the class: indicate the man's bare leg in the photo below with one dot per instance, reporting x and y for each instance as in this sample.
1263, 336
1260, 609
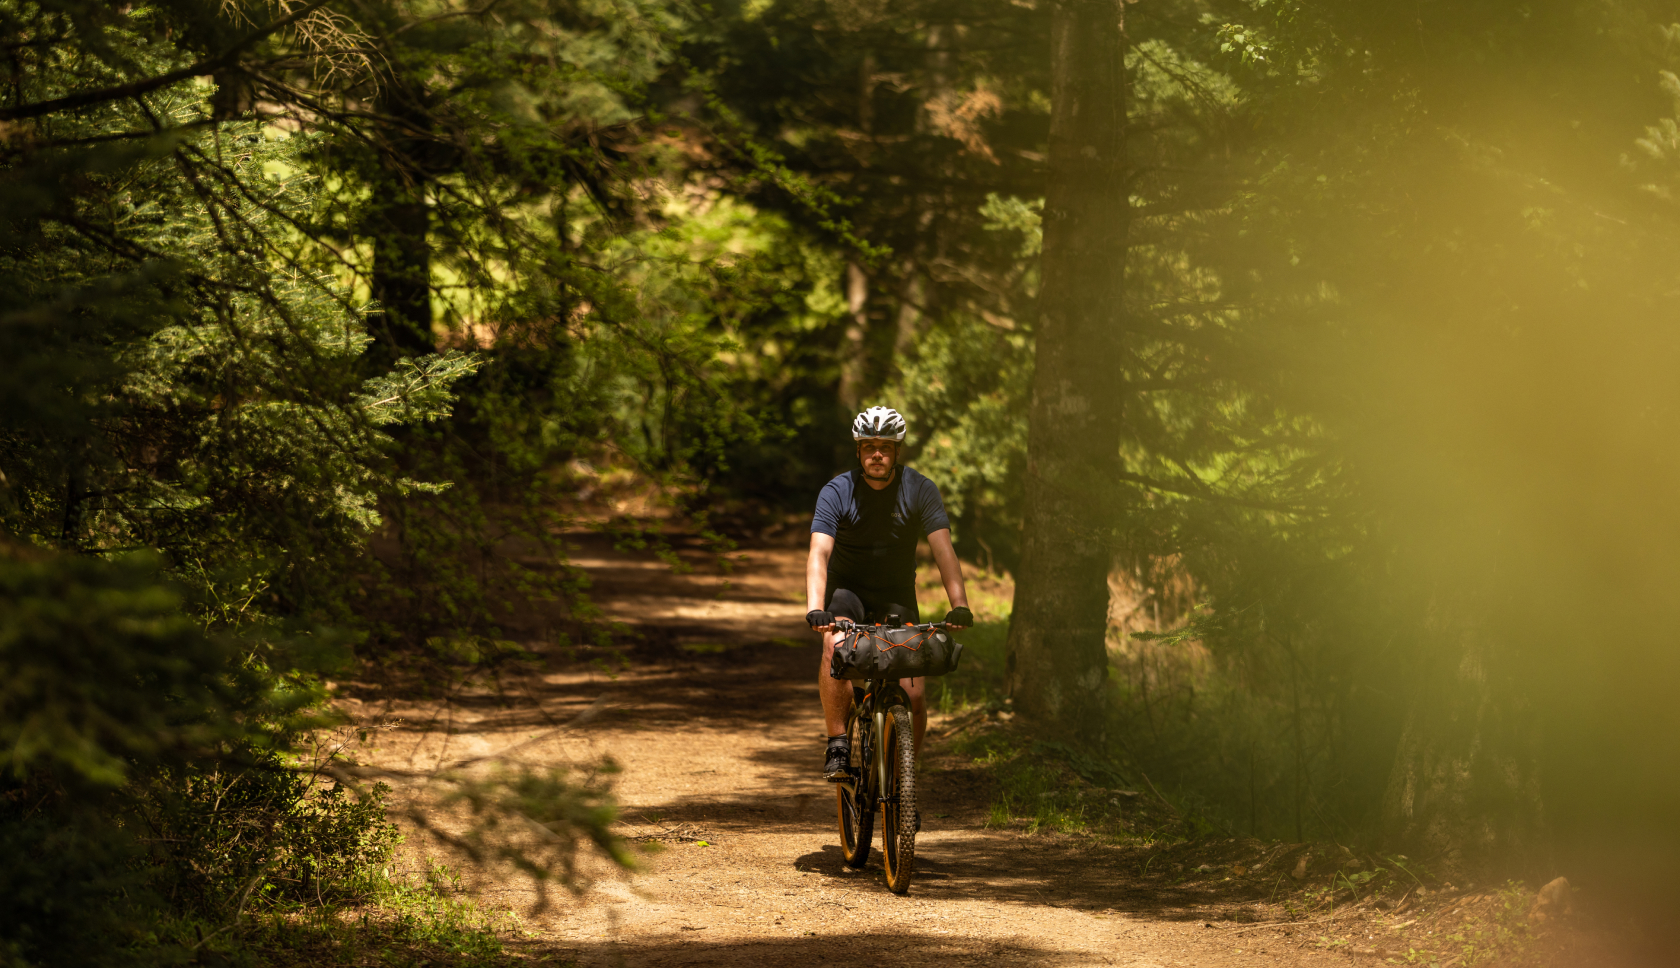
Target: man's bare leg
836, 693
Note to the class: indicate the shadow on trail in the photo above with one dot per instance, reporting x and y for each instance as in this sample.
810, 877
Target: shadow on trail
845, 944
970, 865
665, 688
776, 792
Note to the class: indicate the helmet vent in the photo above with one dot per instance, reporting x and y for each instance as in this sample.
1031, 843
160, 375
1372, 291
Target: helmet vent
879, 423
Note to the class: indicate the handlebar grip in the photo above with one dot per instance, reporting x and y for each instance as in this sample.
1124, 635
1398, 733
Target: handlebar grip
846, 625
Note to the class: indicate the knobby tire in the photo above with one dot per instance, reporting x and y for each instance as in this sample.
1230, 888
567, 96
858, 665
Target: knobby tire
898, 819
856, 800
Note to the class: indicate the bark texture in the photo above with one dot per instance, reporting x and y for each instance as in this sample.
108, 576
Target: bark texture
402, 271
854, 352
398, 224
1058, 658
1464, 793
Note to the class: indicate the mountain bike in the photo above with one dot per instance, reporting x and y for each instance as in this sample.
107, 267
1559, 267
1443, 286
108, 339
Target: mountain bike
882, 774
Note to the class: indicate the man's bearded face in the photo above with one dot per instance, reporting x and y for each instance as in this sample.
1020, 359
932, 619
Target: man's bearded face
878, 458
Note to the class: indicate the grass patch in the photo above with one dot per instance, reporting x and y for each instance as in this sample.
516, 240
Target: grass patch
1038, 790
1047, 788
704, 648
1041, 793
412, 920
978, 681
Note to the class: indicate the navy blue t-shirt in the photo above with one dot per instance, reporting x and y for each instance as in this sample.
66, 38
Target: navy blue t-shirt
875, 532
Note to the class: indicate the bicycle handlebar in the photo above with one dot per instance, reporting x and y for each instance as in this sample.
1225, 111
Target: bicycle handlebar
846, 625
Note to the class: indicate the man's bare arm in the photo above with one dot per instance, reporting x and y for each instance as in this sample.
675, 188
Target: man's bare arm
816, 570
950, 569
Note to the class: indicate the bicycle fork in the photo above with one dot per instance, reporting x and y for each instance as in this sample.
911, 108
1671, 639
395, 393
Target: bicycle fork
887, 697
879, 753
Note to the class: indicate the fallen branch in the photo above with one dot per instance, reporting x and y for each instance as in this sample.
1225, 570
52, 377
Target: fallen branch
1274, 924
1158, 796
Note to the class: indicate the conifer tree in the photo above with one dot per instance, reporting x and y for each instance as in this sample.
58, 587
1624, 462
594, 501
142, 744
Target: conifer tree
1058, 658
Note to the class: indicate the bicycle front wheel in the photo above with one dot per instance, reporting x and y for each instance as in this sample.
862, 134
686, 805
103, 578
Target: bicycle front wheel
856, 798
898, 819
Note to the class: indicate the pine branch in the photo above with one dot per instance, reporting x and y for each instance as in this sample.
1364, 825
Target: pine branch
1208, 494
135, 88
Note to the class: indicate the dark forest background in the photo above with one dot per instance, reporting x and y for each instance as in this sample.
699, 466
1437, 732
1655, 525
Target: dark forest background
1344, 335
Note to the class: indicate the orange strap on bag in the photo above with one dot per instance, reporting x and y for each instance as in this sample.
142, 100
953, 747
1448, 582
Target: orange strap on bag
894, 652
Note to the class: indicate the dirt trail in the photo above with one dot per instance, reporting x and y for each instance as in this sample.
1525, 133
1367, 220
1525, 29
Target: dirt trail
717, 727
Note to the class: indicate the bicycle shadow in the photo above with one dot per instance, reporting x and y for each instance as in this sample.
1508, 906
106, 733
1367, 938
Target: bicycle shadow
830, 860
979, 865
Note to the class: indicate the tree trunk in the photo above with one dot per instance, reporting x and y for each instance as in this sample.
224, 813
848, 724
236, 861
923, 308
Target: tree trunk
854, 349
1058, 658
402, 271
1464, 793
398, 222
911, 297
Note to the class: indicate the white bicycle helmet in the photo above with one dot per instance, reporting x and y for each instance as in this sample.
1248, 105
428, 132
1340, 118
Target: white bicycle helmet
879, 423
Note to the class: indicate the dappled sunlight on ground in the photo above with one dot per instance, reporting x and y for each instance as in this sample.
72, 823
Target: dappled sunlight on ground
710, 707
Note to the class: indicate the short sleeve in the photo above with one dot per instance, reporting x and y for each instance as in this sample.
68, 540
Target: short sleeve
826, 520
930, 507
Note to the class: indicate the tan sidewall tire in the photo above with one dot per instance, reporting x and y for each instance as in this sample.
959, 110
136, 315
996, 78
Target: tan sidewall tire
898, 827
854, 844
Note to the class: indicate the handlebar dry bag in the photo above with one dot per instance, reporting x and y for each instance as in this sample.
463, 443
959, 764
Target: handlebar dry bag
886, 652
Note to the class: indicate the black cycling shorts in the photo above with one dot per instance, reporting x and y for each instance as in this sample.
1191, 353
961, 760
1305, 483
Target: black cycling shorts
867, 606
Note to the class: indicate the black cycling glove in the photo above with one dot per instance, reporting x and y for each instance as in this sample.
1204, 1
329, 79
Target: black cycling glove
817, 618
960, 616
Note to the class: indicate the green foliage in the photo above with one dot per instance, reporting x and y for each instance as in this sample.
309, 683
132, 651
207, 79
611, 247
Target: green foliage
414, 920
146, 874
142, 784
149, 805
310, 344
199, 421
729, 298
73, 883
255, 832
963, 395
103, 668
1038, 796
979, 678
1016, 215
217, 414
1048, 787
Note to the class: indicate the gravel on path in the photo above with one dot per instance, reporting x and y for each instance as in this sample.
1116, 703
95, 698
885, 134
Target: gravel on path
717, 727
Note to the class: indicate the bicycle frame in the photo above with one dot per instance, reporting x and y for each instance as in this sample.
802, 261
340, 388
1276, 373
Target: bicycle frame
864, 790
880, 695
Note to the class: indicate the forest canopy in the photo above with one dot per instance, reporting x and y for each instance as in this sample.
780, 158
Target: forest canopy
1344, 333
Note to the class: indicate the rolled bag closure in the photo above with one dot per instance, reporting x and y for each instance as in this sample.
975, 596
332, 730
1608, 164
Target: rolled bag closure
884, 652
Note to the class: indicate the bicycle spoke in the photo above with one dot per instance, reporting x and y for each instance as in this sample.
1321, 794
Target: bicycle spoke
855, 802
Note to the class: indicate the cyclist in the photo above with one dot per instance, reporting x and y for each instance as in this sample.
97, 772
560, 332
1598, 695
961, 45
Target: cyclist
862, 564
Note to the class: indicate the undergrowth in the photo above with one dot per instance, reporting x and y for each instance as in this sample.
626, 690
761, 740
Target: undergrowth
253, 860
407, 919
1325, 894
